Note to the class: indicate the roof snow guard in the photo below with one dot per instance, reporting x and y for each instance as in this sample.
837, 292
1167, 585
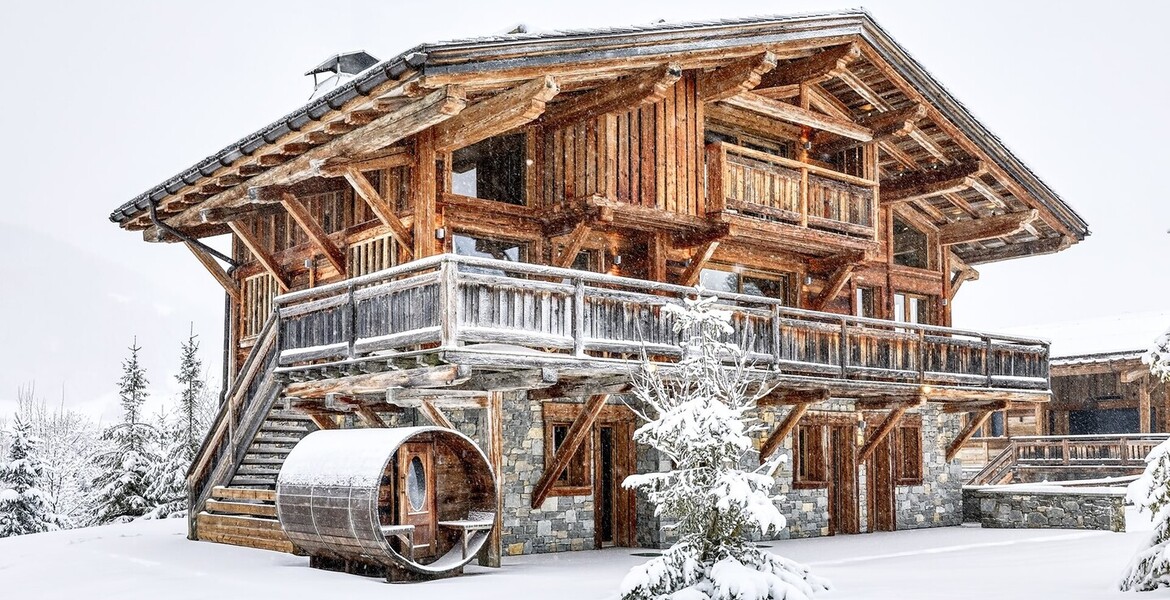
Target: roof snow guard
551, 49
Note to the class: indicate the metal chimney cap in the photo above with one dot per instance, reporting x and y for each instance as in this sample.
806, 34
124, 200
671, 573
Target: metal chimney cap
350, 63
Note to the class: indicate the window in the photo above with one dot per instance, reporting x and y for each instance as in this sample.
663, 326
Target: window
576, 479
908, 454
492, 169
809, 467
752, 285
468, 245
863, 304
909, 308
910, 246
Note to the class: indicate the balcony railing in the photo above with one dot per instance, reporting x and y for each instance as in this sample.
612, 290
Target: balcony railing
452, 302
789, 191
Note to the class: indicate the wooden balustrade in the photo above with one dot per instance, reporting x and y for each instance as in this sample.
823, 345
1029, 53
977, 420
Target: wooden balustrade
1077, 451
446, 302
786, 190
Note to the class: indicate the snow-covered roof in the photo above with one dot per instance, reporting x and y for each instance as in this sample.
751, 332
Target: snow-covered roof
1112, 337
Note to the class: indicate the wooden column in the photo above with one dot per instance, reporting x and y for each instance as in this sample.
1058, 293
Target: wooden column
1144, 420
424, 189
489, 556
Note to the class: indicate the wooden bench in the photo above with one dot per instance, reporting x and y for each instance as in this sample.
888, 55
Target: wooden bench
475, 521
405, 535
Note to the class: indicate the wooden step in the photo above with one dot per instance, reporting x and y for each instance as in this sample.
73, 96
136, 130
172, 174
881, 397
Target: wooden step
242, 508
276, 428
274, 439
252, 532
255, 469
250, 459
220, 492
266, 482
269, 450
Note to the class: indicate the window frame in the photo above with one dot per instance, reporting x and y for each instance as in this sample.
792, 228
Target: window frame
908, 467
520, 160
907, 224
784, 278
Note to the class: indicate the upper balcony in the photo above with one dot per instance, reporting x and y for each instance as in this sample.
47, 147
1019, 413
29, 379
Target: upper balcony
492, 315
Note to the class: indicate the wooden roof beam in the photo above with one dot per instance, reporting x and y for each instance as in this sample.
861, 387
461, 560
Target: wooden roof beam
816, 68
578, 431
501, 113
435, 415
930, 183
375, 383
886, 428
834, 286
929, 145
973, 425
316, 234
623, 94
787, 426
986, 228
737, 77
263, 256
408, 120
382, 209
885, 126
857, 85
221, 276
989, 194
572, 245
782, 111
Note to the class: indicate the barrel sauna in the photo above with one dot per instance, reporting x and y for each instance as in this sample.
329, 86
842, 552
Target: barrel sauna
410, 503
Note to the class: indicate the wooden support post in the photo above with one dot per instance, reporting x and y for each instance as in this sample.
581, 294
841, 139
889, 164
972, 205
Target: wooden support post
787, 426
1144, 405
428, 408
698, 261
887, 426
572, 245
424, 193
368, 416
835, 285
975, 230
973, 425
489, 556
578, 432
221, 276
263, 256
740, 76
657, 251
385, 213
321, 419
316, 234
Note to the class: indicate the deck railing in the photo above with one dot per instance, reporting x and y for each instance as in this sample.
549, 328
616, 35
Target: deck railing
786, 190
1121, 450
448, 301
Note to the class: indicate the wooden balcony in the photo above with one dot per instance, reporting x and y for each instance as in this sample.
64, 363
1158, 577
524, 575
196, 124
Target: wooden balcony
787, 191
499, 315
1039, 458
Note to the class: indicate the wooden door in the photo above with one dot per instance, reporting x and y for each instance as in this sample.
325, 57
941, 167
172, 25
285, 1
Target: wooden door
879, 476
416, 494
843, 513
613, 505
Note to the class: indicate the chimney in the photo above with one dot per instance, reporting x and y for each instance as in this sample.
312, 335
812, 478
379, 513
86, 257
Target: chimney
338, 69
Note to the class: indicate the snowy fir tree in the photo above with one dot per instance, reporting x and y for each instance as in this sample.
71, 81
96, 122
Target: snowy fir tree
179, 439
23, 508
1150, 567
703, 426
122, 487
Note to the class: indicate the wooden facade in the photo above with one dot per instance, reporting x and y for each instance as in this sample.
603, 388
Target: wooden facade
504, 215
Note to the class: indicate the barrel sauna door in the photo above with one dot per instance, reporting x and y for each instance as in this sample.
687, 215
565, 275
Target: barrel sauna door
416, 494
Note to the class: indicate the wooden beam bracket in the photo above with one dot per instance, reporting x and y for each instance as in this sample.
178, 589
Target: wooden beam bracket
574, 437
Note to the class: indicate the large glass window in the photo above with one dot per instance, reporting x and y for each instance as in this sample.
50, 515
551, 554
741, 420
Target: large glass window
909, 308
492, 169
468, 245
753, 285
910, 246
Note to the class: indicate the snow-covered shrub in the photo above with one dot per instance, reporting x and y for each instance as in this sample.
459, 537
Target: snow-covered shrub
702, 424
1150, 567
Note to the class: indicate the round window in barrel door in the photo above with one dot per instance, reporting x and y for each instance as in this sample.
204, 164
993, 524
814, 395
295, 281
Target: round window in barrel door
416, 485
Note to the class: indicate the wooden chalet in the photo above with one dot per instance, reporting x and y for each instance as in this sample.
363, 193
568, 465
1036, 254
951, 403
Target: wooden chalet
1106, 413
479, 234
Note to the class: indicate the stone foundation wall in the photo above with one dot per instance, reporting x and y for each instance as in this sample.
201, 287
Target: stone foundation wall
938, 502
1046, 508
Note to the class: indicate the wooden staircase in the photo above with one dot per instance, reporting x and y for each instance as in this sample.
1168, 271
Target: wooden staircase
232, 482
1029, 459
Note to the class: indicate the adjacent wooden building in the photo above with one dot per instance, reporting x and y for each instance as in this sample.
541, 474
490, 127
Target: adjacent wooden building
479, 234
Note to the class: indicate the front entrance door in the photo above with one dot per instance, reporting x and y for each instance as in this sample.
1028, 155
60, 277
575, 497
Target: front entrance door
843, 513
613, 461
416, 494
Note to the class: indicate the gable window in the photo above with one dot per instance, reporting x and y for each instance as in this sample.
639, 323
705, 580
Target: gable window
492, 169
717, 280
910, 246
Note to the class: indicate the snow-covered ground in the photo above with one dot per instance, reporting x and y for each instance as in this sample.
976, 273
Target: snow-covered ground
154, 560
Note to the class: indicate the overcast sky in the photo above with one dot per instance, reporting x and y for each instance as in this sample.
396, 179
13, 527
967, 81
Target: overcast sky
101, 101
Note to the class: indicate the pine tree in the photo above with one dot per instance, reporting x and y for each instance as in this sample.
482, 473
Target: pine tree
180, 440
23, 508
122, 486
190, 377
702, 426
1150, 567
